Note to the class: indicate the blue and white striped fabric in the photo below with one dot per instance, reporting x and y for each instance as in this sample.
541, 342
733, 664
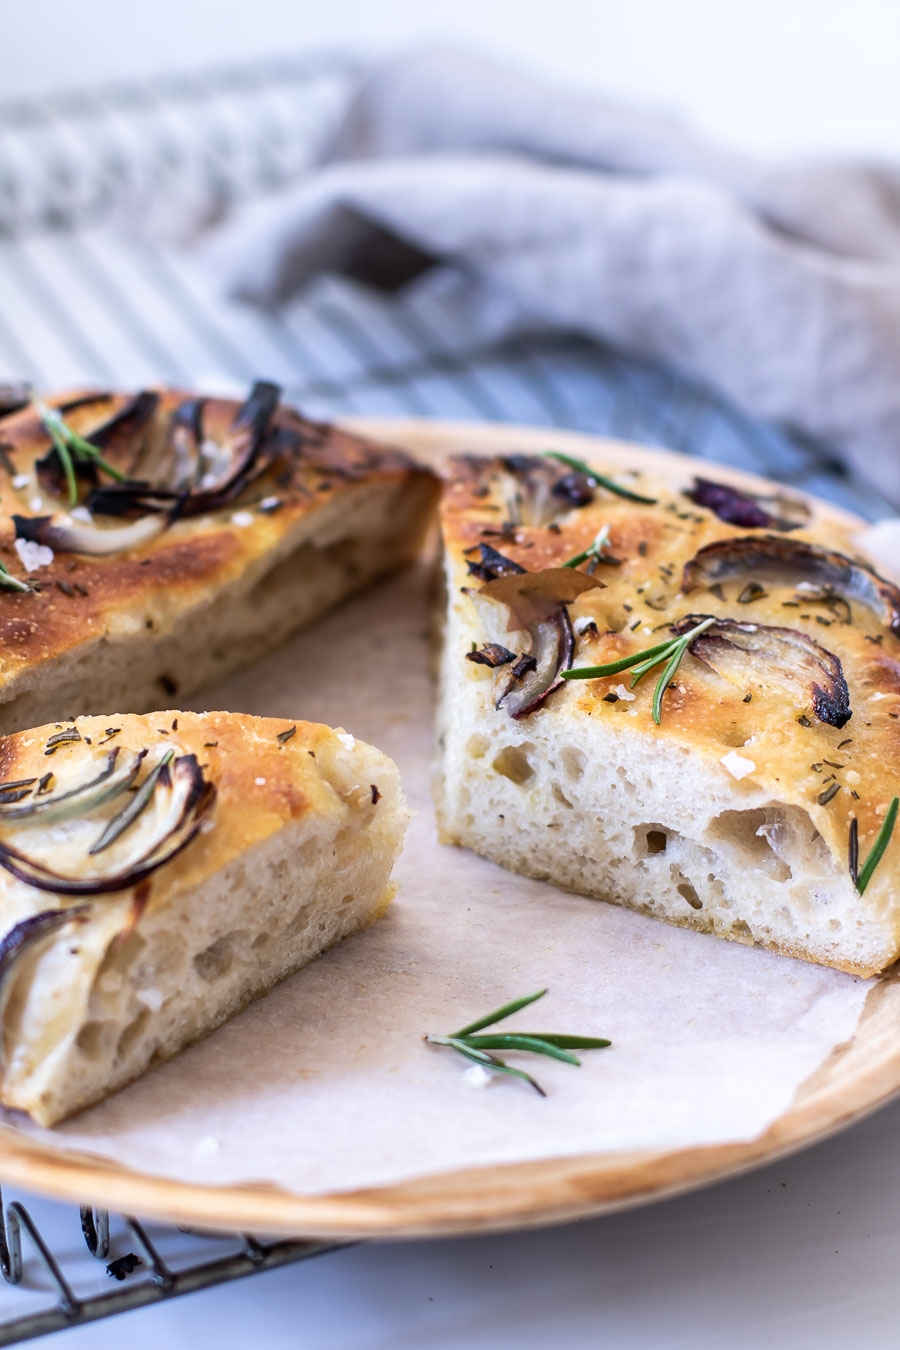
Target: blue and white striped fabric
90, 293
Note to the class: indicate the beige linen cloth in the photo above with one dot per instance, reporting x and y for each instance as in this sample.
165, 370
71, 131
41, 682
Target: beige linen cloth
777, 283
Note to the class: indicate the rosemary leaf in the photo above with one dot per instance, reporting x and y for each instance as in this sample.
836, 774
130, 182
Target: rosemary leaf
512, 1041
506, 1011
495, 1064
579, 466
10, 582
646, 666
663, 683
120, 823
594, 550
853, 851
572, 1042
878, 848
613, 667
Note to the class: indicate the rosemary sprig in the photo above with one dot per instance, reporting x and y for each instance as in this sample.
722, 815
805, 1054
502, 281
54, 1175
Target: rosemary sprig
470, 1045
120, 823
579, 466
643, 662
69, 447
861, 876
594, 550
10, 582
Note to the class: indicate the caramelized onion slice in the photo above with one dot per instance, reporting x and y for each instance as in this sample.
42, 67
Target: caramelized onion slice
120, 438
751, 511
781, 658
26, 937
493, 565
69, 536
181, 799
116, 776
772, 558
528, 610
245, 454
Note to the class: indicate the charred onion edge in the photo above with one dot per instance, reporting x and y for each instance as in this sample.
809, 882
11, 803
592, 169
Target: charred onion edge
26, 934
536, 602
796, 559
492, 654
493, 565
250, 429
831, 704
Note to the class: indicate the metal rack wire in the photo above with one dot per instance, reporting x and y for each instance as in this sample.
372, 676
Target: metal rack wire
95, 187
160, 1280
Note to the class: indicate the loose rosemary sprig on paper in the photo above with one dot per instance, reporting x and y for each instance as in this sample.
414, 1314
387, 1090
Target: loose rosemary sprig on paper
861, 876
594, 550
69, 446
579, 466
477, 1048
643, 662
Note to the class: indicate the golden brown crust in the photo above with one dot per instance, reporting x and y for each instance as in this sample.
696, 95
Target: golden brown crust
84, 597
266, 772
796, 757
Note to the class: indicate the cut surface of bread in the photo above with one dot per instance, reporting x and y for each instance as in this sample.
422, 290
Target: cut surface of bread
257, 845
205, 534
734, 813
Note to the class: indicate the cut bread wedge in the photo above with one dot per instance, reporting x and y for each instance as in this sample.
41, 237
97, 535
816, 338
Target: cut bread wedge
731, 761
159, 872
152, 543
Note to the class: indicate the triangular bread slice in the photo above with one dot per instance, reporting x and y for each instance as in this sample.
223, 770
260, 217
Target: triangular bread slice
158, 872
206, 533
751, 807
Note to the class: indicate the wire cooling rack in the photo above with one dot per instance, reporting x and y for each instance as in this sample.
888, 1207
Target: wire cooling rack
99, 190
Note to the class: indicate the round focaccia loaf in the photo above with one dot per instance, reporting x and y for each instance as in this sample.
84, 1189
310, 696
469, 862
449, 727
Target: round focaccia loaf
208, 531
258, 844
750, 808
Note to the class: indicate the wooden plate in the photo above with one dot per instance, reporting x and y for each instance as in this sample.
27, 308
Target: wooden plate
857, 1077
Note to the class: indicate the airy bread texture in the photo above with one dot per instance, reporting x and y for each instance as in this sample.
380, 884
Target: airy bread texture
296, 854
221, 584
732, 815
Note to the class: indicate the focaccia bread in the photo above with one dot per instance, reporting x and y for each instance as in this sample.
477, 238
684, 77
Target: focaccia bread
158, 872
751, 806
204, 534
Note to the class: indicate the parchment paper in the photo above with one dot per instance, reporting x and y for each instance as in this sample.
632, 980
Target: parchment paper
326, 1084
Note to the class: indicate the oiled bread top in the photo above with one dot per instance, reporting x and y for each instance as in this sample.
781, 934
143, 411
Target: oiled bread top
761, 714
260, 775
309, 469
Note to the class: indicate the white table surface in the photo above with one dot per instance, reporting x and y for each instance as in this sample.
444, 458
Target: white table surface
802, 1253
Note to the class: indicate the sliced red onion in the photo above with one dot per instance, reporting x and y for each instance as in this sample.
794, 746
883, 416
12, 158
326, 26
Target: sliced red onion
116, 436
186, 435
184, 797
24, 937
751, 511
113, 438
784, 657
68, 536
113, 779
493, 565
537, 490
772, 558
244, 455
531, 605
